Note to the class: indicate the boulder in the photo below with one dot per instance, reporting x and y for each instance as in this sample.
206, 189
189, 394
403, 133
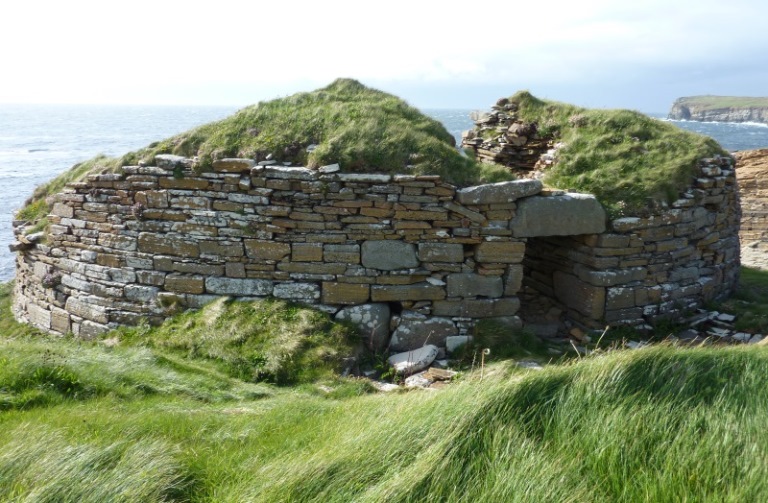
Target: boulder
373, 322
414, 361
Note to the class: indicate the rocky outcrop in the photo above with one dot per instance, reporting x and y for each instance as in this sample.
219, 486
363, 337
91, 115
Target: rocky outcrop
752, 172
705, 109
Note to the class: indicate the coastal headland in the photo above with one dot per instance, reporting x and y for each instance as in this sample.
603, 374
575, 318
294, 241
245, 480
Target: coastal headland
720, 109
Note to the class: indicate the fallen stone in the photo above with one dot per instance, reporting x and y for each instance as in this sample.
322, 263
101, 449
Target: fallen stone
529, 365
436, 374
755, 339
727, 318
718, 332
410, 362
416, 330
742, 337
688, 334
386, 387
454, 342
417, 381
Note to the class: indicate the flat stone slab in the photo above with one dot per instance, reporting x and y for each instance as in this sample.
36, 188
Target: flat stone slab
499, 193
233, 165
564, 215
414, 361
414, 332
389, 255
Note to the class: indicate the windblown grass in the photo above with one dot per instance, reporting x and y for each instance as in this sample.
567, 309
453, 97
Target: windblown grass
658, 424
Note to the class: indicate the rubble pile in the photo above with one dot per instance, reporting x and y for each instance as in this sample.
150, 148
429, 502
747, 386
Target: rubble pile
501, 137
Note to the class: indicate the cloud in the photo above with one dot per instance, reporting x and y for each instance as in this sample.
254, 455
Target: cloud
84, 50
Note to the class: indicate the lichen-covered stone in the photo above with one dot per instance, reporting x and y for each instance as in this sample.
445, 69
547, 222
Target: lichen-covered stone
389, 255
414, 331
502, 192
474, 285
372, 321
563, 215
239, 287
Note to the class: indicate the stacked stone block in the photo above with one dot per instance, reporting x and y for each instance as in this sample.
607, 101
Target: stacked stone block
141, 244
647, 268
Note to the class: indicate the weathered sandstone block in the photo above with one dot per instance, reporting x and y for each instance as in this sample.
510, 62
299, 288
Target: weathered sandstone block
563, 215
345, 293
389, 255
502, 192
239, 287
474, 285
502, 252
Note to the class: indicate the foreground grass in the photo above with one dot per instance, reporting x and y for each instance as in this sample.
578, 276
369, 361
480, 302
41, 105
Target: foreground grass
659, 424
151, 420
84, 421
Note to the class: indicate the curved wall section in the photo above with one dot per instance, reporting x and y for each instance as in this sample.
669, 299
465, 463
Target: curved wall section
137, 246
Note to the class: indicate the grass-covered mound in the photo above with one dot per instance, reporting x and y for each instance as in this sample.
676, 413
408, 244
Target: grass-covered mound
361, 129
265, 340
622, 157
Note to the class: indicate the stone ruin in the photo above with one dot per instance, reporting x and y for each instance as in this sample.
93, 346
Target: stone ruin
411, 259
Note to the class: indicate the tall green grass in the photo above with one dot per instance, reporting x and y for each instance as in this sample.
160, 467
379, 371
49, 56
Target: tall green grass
658, 424
265, 340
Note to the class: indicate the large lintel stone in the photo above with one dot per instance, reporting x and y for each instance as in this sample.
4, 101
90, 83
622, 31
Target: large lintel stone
564, 215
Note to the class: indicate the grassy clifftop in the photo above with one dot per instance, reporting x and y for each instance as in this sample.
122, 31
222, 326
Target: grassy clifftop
710, 102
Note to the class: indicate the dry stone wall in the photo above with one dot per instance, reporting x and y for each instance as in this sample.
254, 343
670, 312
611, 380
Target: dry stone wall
423, 258
410, 259
647, 268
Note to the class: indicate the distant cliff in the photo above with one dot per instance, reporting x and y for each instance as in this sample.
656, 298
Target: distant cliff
720, 109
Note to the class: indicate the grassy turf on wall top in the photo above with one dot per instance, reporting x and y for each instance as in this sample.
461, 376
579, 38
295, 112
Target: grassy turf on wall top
622, 157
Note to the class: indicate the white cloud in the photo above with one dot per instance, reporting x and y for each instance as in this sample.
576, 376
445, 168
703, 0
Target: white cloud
84, 50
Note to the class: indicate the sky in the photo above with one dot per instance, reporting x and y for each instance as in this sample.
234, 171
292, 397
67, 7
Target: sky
435, 54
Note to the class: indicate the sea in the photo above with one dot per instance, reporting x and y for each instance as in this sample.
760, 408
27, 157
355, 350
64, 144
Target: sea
38, 142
